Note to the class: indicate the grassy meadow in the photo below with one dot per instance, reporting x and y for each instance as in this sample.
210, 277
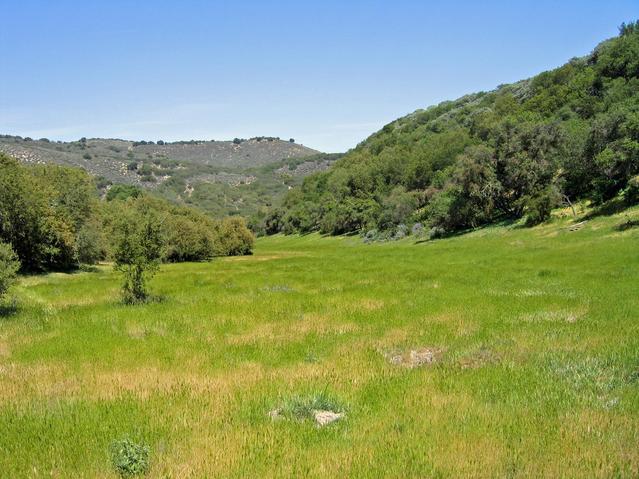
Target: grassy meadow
535, 334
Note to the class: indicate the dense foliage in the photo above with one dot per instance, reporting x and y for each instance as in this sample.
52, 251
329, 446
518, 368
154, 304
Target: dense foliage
566, 134
54, 219
8, 267
44, 213
138, 251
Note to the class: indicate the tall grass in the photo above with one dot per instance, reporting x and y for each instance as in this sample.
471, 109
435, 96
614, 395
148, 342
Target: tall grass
537, 334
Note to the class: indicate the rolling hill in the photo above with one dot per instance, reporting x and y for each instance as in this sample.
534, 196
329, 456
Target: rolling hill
565, 135
221, 177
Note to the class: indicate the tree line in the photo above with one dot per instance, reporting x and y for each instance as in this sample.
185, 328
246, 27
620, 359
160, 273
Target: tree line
53, 219
516, 152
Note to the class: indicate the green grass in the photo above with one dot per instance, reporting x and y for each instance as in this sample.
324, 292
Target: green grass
537, 371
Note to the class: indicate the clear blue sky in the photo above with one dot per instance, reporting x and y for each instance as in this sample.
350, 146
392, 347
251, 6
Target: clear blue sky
327, 73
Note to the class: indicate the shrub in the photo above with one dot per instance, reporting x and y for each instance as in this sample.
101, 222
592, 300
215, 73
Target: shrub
9, 266
539, 207
122, 192
40, 209
301, 408
130, 458
138, 251
400, 232
417, 230
631, 195
371, 236
89, 244
436, 232
233, 238
190, 237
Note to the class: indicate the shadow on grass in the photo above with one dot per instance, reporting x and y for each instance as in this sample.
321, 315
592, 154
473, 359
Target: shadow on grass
151, 299
8, 308
82, 268
610, 207
504, 222
626, 225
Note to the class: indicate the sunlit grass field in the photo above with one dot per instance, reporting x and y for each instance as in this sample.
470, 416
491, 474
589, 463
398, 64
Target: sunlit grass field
536, 371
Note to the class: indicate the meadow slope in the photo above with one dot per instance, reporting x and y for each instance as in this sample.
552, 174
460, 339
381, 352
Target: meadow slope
534, 332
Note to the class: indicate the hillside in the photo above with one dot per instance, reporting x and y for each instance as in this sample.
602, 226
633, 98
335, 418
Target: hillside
507, 352
564, 135
111, 158
221, 177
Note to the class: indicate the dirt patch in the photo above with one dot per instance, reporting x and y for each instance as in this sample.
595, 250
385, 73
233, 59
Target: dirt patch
414, 358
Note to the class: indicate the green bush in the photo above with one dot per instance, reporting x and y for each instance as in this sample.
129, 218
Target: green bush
139, 248
631, 194
129, 458
41, 210
233, 238
9, 266
539, 207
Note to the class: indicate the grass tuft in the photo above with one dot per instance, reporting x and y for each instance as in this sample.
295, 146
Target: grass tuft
129, 458
301, 408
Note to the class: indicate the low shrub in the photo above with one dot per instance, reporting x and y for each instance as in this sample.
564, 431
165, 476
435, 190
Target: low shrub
9, 266
631, 194
301, 408
129, 458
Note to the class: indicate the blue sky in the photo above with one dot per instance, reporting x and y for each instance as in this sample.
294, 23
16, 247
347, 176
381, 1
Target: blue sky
327, 73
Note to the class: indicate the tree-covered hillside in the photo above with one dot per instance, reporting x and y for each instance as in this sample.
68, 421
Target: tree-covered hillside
564, 135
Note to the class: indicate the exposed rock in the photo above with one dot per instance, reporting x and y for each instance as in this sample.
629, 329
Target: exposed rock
322, 418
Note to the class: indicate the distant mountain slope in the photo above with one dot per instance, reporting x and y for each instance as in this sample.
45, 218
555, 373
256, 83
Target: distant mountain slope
112, 158
221, 177
567, 134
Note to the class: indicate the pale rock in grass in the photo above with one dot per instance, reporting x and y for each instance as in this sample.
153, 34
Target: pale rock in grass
275, 414
322, 418
421, 357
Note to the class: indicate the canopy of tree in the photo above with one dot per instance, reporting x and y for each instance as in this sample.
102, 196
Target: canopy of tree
53, 218
518, 151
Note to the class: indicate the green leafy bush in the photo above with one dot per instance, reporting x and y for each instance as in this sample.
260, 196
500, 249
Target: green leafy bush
129, 458
139, 248
539, 207
233, 238
632, 191
9, 266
